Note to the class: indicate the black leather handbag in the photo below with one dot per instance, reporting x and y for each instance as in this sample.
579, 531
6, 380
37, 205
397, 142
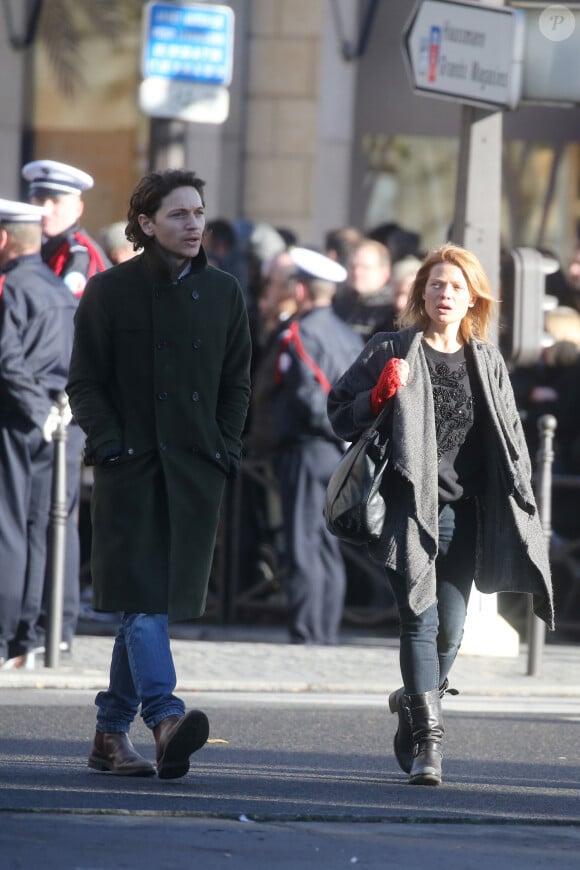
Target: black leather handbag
354, 507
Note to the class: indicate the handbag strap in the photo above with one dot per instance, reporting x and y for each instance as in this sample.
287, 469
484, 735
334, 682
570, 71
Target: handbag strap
385, 414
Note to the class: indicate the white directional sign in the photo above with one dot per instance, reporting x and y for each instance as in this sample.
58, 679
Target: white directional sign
466, 51
184, 101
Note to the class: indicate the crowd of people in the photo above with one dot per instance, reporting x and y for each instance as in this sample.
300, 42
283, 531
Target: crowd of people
46, 259
370, 299
367, 295
187, 348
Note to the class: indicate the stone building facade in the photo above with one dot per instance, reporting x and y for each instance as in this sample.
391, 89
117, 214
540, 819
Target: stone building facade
319, 135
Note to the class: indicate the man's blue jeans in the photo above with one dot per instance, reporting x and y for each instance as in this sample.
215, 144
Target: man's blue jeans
429, 641
142, 673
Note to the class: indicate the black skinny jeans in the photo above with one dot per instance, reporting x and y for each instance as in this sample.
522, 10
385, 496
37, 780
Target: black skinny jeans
429, 641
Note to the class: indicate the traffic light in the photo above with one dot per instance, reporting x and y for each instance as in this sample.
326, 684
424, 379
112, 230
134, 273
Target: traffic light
523, 303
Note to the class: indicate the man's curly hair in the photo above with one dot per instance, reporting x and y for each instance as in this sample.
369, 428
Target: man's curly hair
148, 195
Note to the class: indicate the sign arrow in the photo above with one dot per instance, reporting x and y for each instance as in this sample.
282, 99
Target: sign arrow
467, 52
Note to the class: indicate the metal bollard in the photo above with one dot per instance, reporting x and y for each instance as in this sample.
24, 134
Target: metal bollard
57, 542
543, 485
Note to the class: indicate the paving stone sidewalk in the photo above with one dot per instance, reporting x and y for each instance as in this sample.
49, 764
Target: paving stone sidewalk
255, 660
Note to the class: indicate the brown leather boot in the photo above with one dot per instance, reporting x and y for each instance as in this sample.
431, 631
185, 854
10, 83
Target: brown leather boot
177, 737
115, 753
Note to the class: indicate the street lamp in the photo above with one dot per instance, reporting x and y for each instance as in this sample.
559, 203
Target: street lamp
351, 49
30, 18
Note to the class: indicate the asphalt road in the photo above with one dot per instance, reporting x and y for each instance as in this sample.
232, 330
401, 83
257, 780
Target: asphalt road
291, 782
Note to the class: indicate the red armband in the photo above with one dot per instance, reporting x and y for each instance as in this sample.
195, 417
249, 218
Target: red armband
386, 386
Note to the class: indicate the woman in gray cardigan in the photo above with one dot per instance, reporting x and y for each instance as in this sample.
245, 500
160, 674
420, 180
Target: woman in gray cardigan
460, 503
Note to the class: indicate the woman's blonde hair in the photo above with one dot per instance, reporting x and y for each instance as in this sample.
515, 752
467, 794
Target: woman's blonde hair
477, 321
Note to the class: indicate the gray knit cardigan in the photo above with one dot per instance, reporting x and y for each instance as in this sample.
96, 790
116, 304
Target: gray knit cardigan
512, 552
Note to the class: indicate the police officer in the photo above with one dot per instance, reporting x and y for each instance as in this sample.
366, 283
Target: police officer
314, 351
36, 332
67, 248
75, 257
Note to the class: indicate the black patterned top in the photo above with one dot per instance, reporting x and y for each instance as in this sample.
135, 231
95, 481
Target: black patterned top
457, 423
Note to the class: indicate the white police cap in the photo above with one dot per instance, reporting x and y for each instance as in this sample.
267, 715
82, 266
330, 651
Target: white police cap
317, 265
49, 175
20, 212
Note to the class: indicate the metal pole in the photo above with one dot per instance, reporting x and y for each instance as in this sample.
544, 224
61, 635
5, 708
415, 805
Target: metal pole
476, 226
544, 459
57, 541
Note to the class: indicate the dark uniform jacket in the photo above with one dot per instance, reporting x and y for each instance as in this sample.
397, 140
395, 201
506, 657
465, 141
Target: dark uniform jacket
159, 375
36, 333
299, 398
260, 438
75, 257
364, 312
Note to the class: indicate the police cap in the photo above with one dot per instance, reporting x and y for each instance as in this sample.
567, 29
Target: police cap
49, 176
312, 264
20, 212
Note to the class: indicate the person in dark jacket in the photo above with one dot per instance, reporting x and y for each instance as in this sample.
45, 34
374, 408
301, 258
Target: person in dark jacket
363, 298
74, 256
460, 502
36, 329
312, 353
159, 381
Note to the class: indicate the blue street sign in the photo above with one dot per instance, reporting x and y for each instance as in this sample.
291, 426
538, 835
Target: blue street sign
192, 43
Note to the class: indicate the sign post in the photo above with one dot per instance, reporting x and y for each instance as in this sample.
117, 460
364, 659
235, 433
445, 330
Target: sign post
472, 53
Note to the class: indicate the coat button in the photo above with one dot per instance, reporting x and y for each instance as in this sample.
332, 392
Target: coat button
195, 295
218, 455
130, 451
196, 344
195, 397
162, 445
162, 396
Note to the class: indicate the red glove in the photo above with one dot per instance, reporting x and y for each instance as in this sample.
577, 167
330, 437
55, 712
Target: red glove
387, 385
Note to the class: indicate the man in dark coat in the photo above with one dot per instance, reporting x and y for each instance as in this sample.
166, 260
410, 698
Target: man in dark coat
313, 353
159, 381
36, 330
74, 256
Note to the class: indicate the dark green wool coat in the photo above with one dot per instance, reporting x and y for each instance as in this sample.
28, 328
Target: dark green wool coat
160, 374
